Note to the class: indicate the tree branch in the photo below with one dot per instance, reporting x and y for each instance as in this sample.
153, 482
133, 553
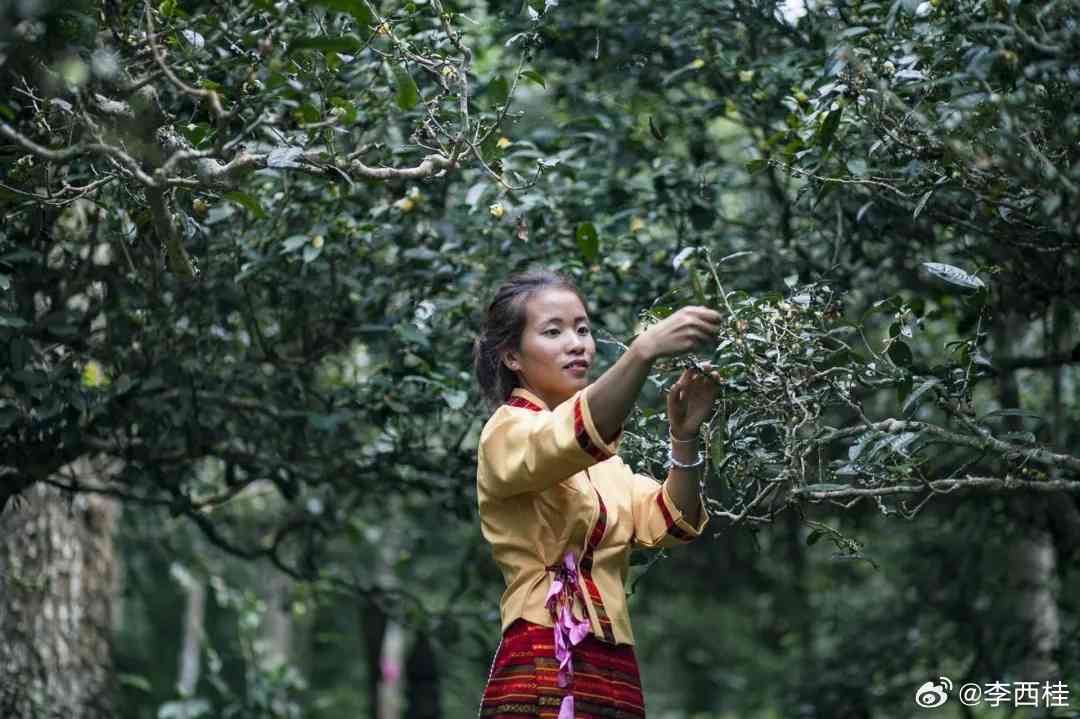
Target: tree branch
992, 485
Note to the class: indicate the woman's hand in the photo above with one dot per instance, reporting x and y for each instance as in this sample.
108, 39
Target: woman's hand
690, 400
679, 332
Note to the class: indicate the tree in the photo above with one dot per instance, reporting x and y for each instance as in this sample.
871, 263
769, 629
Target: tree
57, 582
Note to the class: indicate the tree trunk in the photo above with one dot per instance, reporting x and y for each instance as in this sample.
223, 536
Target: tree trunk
797, 604
373, 622
194, 618
392, 669
384, 638
1032, 557
422, 681
57, 569
277, 621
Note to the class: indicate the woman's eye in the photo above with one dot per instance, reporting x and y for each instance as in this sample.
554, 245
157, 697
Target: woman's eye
586, 330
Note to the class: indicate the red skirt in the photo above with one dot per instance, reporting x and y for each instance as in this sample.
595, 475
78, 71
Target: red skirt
522, 680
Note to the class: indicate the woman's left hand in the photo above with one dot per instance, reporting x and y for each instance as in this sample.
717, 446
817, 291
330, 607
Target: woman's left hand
691, 398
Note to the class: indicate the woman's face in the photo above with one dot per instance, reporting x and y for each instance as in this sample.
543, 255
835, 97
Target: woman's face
556, 334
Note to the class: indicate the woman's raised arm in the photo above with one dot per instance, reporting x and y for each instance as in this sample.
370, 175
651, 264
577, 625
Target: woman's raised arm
613, 394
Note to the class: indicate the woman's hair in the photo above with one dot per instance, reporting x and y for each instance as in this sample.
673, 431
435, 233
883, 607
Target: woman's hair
502, 328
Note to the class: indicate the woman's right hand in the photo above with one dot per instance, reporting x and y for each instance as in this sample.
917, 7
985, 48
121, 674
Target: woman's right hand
679, 332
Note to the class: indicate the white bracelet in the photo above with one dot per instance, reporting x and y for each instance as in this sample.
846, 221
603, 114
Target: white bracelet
674, 462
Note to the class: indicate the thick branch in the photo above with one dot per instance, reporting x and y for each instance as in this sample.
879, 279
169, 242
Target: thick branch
991, 485
128, 162
985, 442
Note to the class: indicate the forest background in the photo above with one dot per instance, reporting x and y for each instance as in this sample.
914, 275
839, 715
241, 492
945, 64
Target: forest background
245, 248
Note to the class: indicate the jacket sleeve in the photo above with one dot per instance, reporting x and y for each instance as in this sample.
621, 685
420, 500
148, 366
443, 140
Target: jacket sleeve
658, 522
526, 451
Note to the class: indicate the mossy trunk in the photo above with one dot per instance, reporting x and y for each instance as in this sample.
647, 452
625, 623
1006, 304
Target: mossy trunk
57, 568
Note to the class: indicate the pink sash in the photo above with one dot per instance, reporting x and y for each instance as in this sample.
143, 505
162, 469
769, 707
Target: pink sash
569, 630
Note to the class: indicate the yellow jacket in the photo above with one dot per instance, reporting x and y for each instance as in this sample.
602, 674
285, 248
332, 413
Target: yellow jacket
545, 482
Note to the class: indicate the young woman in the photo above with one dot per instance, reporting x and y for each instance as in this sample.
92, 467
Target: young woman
559, 507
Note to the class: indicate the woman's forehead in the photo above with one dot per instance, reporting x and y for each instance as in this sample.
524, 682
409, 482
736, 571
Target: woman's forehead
554, 303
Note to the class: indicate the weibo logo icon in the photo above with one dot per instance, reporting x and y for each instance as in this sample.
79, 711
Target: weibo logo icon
933, 694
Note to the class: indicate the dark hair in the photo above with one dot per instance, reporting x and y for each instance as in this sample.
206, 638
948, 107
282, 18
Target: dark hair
502, 328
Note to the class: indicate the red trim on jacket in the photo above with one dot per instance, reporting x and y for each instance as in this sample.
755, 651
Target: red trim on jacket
585, 567
672, 528
583, 438
517, 401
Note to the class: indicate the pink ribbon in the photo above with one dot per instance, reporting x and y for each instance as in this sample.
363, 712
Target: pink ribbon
569, 630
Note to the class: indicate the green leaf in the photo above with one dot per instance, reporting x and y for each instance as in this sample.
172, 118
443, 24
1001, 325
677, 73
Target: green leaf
348, 116
12, 321
5, 282
135, 681
246, 201
489, 148
499, 91
410, 334
756, 166
534, 77
903, 389
814, 537
294, 243
326, 422
855, 31
306, 114
827, 130
455, 399
954, 275
922, 204
407, 93
856, 449
912, 401
19, 352
1012, 413
655, 130
357, 8
897, 443
900, 354
343, 43
311, 252
588, 241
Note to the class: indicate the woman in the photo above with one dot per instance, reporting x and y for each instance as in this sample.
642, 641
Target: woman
561, 509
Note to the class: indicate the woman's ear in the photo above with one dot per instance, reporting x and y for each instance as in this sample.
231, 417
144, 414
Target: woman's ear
510, 360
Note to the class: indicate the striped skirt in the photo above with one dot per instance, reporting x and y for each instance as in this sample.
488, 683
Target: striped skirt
522, 681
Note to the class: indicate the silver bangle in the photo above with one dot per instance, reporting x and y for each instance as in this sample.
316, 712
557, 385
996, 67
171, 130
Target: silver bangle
672, 462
